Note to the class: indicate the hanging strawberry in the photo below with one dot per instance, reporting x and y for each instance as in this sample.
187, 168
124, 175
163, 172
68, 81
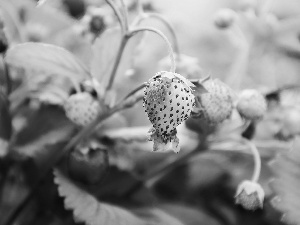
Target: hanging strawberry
168, 101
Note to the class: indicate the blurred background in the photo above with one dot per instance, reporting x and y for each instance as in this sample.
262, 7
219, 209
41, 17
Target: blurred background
252, 44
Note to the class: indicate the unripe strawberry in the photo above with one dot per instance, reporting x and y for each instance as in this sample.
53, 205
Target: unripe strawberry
251, 104
88, 164
82, 108
224, 18
250, 195
216, 105
168, 101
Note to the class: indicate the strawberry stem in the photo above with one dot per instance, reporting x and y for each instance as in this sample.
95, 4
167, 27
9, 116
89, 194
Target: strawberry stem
257, 159
170, 28
117, 62
170, 49
118, 15
125, 14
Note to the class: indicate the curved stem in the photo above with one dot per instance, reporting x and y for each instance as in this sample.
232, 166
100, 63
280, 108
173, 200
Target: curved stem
125, 12
117, 62
170, 49
257, 160
170, 28
117, 13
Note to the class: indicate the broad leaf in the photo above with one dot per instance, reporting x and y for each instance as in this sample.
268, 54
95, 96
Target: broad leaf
46, 59
286, 169
86, 208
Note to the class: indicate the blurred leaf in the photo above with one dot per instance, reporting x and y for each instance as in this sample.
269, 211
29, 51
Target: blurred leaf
136, 51
286, 169
47, 125
6, 126
46, 59
86, 208
9, 13
5, 118
128, 134
104, 50
189, 215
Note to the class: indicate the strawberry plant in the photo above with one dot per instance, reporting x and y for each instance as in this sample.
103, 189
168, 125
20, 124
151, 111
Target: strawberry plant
111, 113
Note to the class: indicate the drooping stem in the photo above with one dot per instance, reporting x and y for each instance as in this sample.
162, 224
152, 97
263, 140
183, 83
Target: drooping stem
257, 160
118, 14
125, 13
170, 49
170, 28
113, 73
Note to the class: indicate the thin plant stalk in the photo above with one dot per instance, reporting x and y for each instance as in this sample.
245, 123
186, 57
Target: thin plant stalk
170, 28
257, 160
170, 49
117, 62
125, 12
118, 14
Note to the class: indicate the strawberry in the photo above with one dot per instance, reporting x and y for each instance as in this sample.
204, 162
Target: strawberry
251, 104
224, 18
216, 105
168, 101
250, 195
82, 108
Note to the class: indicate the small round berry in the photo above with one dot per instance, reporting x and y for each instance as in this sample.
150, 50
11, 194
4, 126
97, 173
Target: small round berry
82, 108
216, 105
168, 101
250, 195
251, 104
224, 18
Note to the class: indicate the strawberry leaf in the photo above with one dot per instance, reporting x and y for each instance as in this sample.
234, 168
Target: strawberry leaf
46, 59
86, 208
286, 169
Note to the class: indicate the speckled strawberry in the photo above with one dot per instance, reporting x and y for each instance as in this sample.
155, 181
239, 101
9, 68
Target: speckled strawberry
216, 105
168, 101
82, 108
